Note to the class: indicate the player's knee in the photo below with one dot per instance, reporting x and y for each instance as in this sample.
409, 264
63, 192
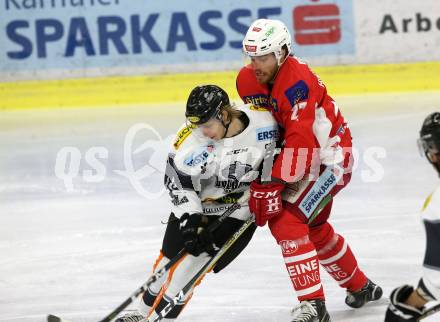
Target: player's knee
288, 227
181, 274
323, 236
297, 233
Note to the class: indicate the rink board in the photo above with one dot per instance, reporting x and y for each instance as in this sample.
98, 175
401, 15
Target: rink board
154, 89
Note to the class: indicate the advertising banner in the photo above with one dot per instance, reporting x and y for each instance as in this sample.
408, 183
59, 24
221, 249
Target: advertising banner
62, 36
76, 38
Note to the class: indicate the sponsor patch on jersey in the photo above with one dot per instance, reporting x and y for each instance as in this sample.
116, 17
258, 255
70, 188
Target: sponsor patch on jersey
229, 198
267, 133
207, 210
288, 247
177, 201
297, 93
182, 135
237, 151
232, 175
259, 100
258, 108
273, 103
199, 156
320, 190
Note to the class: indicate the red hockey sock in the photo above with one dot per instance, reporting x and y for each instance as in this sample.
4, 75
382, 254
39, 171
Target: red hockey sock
339, 261
303, 268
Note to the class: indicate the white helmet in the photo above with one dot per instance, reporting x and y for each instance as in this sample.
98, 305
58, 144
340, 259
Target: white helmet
267, 36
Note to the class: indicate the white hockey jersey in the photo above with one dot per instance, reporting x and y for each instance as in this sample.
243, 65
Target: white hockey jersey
208, 176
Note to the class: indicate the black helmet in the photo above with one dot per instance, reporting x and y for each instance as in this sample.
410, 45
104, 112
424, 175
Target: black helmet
205, 102
429, 140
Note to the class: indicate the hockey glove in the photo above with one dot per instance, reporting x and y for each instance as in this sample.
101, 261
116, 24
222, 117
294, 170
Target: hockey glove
397, 310
196, 238
265, 201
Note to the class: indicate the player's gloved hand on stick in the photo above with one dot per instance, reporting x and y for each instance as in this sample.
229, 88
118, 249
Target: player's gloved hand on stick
397, 310
195, 235
265, 201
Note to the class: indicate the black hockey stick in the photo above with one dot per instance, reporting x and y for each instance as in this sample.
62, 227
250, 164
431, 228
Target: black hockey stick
54, 318
157, 274
207, 267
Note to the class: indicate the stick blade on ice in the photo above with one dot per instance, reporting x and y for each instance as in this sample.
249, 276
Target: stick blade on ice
54, 318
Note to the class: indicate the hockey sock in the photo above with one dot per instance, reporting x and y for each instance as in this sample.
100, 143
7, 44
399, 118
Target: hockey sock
175, 311
339, 261
303, 267
150, 295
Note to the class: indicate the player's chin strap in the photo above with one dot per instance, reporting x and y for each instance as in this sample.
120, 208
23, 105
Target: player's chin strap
226, 126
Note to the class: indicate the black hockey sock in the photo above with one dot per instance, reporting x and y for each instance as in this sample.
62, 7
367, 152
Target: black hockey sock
174, 313
149, 297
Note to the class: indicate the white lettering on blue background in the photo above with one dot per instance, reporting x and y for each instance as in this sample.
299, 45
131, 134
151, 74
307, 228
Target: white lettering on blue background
320, 189
267, 133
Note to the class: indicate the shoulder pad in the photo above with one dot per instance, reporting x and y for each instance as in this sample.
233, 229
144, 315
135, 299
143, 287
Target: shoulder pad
182, 135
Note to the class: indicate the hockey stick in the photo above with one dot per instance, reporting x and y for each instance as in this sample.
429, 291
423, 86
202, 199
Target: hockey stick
54, 318
207, 267
157, 274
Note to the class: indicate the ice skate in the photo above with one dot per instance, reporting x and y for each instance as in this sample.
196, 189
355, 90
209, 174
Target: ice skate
130, 317
370, 292
311, 311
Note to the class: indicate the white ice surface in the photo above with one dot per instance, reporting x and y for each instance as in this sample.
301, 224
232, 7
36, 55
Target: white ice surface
79, 254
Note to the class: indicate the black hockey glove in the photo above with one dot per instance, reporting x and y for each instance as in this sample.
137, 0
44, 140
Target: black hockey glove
397, 310
196, 237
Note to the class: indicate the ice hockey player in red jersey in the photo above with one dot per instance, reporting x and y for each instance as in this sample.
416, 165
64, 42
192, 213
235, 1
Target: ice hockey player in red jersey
409, 304
315, 163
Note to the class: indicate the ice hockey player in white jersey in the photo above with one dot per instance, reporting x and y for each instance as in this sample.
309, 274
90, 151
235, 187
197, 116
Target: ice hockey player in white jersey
214, 158
407, 303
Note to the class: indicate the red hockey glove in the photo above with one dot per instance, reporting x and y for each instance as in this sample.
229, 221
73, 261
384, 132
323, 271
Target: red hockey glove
265, 201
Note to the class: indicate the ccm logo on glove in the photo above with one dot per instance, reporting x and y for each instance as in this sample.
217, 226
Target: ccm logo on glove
265, 201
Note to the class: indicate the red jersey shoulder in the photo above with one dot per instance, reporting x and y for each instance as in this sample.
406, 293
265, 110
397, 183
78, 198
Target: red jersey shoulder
249, 89
294, 83
246, 73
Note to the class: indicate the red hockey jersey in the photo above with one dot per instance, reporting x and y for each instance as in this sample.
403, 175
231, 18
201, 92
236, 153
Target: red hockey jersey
313, 128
